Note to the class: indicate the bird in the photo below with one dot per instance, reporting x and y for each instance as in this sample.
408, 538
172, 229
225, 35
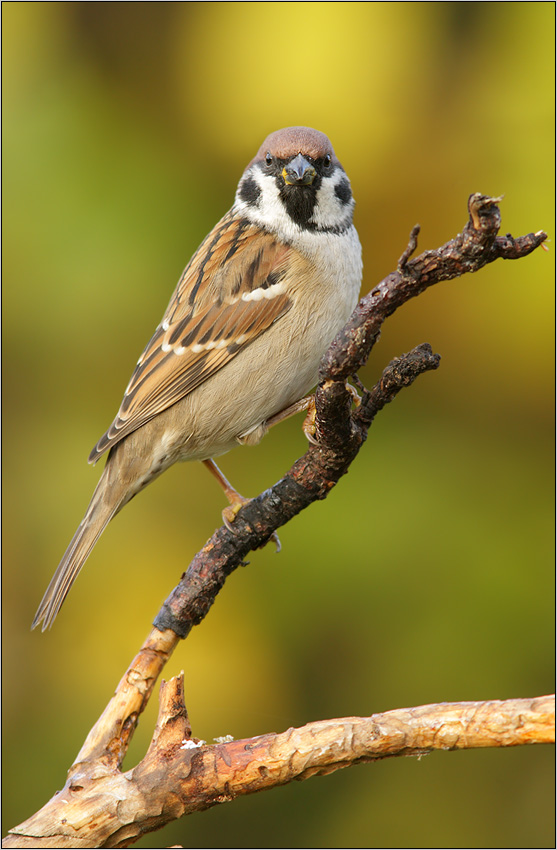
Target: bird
240, 342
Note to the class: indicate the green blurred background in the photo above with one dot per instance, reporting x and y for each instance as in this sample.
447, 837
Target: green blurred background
428, 574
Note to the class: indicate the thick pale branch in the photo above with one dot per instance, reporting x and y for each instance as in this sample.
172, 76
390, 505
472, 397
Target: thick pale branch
108, 740
180, 775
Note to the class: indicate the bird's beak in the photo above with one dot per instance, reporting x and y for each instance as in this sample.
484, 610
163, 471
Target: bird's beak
299, 172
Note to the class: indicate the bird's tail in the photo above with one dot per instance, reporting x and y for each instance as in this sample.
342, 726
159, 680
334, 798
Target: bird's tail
101, 509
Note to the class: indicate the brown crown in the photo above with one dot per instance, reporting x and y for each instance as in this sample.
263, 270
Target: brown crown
294, 140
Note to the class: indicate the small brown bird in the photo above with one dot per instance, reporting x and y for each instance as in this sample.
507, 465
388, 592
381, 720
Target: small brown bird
240, 342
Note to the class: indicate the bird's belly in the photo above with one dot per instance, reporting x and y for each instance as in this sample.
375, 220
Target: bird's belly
274, 371
209, 421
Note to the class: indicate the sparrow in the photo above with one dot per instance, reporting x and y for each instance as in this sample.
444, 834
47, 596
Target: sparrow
241, 340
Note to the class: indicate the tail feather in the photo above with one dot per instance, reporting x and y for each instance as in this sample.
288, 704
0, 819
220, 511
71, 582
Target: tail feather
97, 517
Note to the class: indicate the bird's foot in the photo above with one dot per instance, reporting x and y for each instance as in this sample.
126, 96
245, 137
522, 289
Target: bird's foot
236, 500
229, 515
308, 426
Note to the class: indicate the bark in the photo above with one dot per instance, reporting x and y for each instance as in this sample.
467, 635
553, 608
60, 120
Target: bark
99, 805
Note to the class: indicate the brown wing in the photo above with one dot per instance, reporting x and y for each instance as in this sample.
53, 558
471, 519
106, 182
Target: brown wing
228, 295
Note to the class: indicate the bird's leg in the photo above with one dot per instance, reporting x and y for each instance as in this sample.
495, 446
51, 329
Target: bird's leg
307, 403
236, 499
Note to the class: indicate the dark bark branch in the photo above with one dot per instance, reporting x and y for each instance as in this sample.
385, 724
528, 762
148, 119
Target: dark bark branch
100, 806
340, 433
340, 437
470, 251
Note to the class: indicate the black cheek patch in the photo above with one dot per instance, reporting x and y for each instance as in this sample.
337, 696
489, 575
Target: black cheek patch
343, 192
249, 191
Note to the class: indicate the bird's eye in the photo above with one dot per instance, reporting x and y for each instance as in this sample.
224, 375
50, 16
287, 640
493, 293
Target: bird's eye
327, 162
268, 158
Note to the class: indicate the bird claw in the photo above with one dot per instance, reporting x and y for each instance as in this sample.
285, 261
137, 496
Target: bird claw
229, 515
275, 538
308, 426
356, 397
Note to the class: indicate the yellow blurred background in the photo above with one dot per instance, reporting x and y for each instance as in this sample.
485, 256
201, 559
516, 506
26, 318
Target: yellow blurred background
427, 575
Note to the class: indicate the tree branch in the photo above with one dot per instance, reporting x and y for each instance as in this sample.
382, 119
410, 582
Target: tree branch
181, 775
99, 805
340, 433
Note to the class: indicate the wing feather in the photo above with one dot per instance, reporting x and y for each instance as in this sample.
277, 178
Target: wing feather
229, 294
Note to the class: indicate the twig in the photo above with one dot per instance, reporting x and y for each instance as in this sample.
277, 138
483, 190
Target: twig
410, 248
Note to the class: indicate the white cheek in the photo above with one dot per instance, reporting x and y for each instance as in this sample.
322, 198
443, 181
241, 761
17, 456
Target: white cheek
270, 207
329, 210
269, 212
